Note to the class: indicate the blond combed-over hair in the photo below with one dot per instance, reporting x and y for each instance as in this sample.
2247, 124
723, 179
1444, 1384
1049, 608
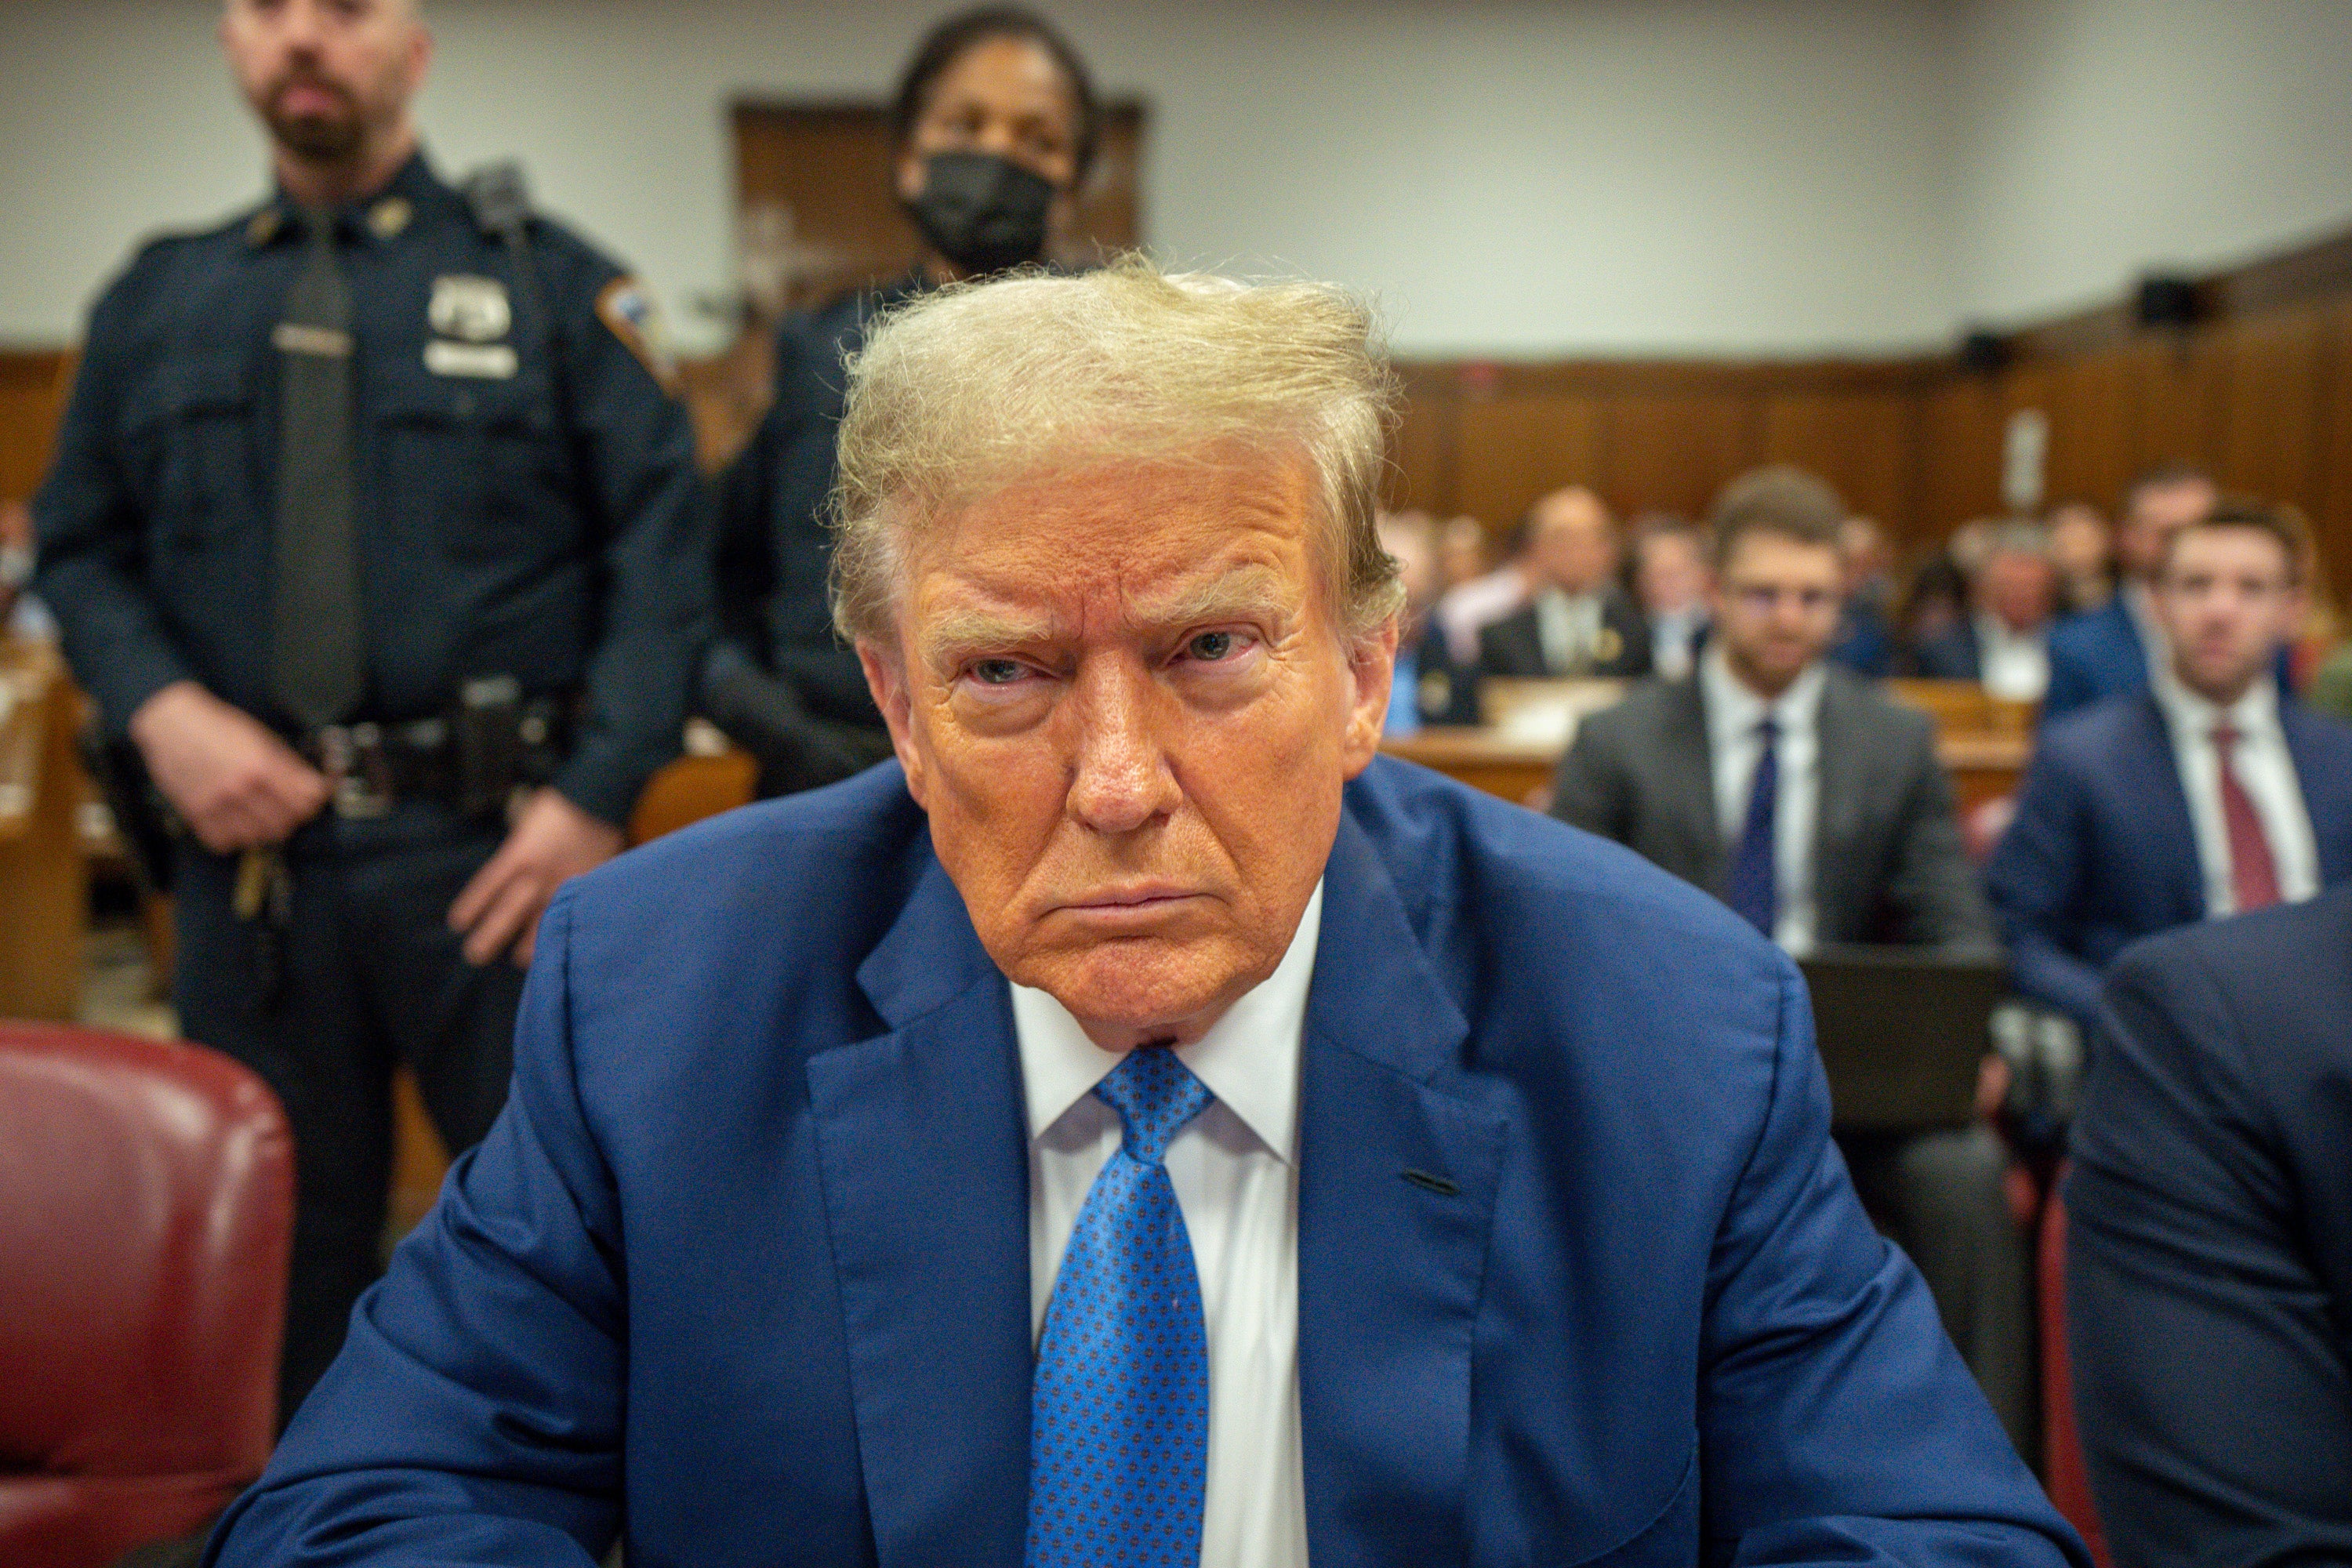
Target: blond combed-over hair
967, 389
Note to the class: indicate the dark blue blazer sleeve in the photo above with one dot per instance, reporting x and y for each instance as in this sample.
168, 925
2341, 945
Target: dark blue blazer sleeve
1822, 1332
2212, 1375
2036, 881
475, 1414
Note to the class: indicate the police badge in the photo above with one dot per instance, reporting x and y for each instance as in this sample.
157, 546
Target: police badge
471, 309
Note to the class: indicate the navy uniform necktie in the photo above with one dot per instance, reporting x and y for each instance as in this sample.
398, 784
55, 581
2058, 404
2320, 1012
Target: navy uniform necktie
1755, 882
1119, 1414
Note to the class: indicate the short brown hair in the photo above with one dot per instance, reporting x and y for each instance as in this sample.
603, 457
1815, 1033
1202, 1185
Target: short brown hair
1781, 499
2281, 522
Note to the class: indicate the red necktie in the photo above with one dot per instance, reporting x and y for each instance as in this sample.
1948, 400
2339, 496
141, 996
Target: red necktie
2254, 875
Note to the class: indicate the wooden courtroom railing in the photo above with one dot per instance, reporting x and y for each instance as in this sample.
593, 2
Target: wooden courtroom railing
43, 882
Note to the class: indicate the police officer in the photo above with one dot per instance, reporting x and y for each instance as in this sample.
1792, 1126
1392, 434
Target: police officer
996, 124
373, 526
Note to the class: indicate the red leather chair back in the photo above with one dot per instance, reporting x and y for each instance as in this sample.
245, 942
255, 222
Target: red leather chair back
146, 1207
2061, 1444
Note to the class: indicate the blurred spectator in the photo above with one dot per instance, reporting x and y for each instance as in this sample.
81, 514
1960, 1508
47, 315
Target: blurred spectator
2082, 547
2112, 650
2208, 1274
1472, 605
996, 123
1577, 621
1863, 643
21, 615
1461, 554
1815, 809
1938, 603
2331, 687
2205, 794
1411, 539
2004, 641
1670, 581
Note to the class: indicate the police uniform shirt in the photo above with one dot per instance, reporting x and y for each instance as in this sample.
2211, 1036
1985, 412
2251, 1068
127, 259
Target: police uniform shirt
526, 503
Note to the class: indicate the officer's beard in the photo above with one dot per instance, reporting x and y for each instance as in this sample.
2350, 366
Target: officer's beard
313, 137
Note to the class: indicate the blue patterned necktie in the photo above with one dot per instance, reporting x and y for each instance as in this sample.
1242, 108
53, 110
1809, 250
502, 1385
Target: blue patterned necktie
1755, 882
1118, 1411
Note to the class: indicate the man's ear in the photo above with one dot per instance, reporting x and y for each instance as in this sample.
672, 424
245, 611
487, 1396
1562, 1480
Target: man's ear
1371, 666
885, 678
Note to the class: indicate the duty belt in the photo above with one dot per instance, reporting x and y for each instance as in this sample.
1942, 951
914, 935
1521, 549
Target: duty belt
470, 762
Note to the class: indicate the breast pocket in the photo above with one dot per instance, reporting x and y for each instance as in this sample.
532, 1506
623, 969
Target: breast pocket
188, 431
473, 468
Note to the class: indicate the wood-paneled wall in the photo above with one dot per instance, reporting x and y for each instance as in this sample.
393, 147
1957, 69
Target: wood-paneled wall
2259, 390
32, 398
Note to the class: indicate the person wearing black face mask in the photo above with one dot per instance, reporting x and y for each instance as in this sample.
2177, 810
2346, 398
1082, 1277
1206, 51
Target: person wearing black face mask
996, 123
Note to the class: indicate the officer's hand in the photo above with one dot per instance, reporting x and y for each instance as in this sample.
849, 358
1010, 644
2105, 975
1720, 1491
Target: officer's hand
235, 784
551, 841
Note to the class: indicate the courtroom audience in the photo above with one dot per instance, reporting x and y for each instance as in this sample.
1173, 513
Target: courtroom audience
1934, 606
2003, 641
1790, 789
1864, 641
2207, 793
1411, 539
1470, 606
1577, 621
1670, 581
2110, 651
2082, 547
1462, 551
2208, 1272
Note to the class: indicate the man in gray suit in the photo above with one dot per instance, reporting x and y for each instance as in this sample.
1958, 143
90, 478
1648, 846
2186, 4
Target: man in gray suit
1789, 788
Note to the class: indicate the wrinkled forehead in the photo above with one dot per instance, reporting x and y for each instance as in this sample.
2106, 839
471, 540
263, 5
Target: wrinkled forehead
1115, 546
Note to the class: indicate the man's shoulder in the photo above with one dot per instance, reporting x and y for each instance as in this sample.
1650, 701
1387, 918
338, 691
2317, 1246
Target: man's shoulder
2094, 633
1459, 856
161, 264
795, 870
1864, 704
2322, 735
2086, 739
1647, 707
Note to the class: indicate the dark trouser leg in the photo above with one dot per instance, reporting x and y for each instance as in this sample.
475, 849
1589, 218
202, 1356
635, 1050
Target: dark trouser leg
1940, 1196
452, 1022
317, 1049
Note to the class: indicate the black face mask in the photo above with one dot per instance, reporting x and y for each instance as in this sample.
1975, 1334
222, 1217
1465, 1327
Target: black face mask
981, 211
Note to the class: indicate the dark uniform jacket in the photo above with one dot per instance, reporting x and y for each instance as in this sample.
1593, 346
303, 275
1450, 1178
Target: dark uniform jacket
774, 552
1888, 862
527, 499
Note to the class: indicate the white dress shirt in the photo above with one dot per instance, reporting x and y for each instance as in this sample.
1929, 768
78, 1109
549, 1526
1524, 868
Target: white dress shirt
2265, 770
2012, 665
1674, 635
1567, 625
1734, 747
1234, 1168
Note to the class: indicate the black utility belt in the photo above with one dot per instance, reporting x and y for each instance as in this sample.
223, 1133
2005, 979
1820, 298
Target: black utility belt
473, 760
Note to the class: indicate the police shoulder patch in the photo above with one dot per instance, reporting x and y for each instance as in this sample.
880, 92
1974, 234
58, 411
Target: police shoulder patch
626, 308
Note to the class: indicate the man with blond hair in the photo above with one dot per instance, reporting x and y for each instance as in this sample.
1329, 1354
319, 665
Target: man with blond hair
1140, 1125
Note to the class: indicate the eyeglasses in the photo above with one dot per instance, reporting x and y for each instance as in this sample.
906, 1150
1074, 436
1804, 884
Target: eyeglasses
1763, 598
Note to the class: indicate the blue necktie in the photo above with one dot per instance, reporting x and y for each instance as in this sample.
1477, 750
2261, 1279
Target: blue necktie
1755, 887
1118, 1411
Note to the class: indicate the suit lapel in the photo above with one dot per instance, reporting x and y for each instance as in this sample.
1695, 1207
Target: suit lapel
1842, 772
922, 1155
2319, 777
1690, 780
2172, 834
1396, 1195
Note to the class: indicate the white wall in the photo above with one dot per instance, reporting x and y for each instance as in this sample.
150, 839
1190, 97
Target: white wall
1519, 177
2102, 139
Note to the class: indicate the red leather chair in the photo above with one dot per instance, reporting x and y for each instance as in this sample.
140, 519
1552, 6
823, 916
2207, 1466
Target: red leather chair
2061, 1444
146, 1206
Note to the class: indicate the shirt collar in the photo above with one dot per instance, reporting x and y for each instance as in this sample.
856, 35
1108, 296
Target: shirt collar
1248, 1059
379, 218
2256, 713
1732, 709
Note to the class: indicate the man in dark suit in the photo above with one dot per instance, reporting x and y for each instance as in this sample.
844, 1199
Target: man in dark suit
1786, 787
1577, 621
2106, 653
2209, 794
2209, 1275
1140, 1124
2004, 642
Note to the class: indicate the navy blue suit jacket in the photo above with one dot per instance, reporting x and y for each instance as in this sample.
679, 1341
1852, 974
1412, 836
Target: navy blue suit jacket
2099, 654
743, 1268
2209, 1275
2102, 852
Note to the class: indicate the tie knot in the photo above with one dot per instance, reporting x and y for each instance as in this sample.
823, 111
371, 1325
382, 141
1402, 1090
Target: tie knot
1770, 728
1155, 1095
2225, 735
